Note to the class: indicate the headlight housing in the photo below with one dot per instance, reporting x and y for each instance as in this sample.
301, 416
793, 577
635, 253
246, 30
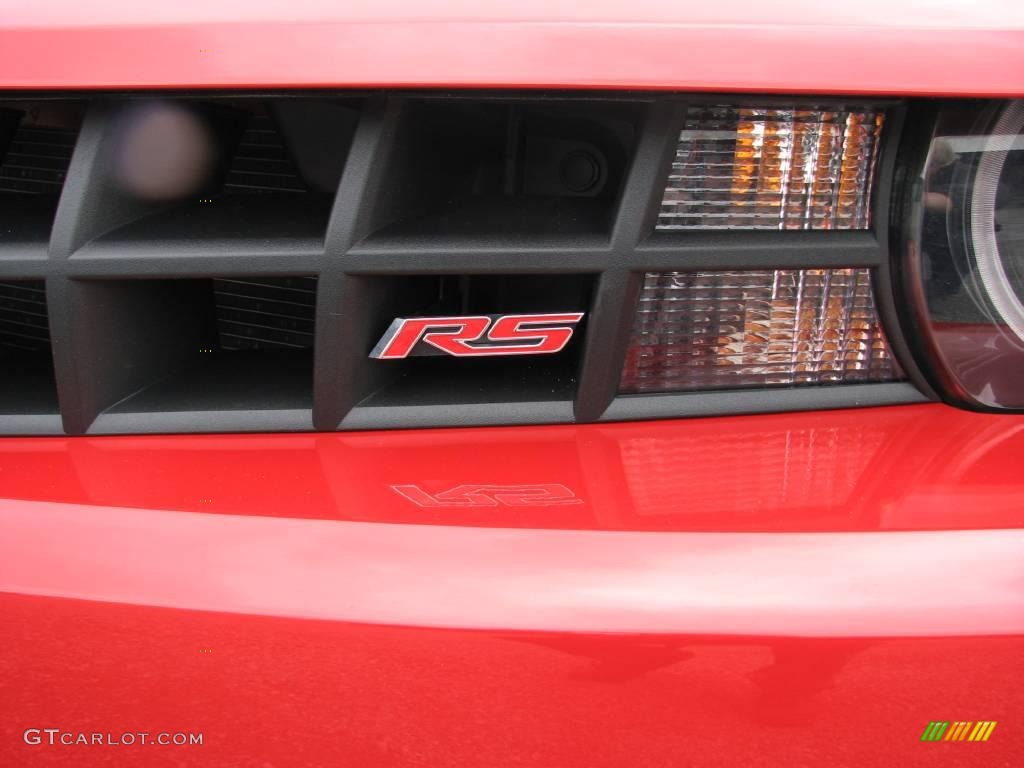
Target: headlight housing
964, 255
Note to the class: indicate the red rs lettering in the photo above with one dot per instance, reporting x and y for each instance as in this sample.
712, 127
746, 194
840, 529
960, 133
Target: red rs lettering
449, 334
464, 336
544, 340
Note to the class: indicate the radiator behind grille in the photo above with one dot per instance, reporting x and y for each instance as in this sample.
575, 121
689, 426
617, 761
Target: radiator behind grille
265, 314
261, 163
36, 160
24, 324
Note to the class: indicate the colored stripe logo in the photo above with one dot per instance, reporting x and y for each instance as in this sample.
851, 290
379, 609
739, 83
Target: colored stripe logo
959, 730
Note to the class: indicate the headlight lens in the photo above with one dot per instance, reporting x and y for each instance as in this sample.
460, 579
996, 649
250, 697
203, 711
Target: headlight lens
965, 263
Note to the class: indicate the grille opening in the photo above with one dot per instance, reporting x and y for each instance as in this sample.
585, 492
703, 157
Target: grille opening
506, 169
26, 359
268, 178
36, 142
444, 379
170, 312
224, 344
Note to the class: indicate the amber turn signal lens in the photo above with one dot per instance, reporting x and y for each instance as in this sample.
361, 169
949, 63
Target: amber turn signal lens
777, 168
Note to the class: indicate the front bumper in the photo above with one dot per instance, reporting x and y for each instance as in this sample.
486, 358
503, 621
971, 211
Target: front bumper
808, 588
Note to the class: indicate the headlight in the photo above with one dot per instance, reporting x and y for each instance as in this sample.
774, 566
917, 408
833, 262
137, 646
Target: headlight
964, 267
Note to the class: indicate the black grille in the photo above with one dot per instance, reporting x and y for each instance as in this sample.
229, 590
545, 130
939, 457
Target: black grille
248, 294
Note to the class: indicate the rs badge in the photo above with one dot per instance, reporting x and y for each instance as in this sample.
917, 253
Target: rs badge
477, 335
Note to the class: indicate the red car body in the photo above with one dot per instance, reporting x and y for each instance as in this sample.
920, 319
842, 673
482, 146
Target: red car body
794, 589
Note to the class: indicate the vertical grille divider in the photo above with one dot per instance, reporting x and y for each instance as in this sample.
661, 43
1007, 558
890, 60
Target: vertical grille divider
612, 311
341, 369
93, 372
89, 205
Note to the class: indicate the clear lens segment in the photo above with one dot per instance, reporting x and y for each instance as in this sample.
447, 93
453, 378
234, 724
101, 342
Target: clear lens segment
728, 330
772, 168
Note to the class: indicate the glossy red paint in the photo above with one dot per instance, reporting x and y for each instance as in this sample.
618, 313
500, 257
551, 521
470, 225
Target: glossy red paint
821, 584
903, 47
921, 467
277, 593
282, 692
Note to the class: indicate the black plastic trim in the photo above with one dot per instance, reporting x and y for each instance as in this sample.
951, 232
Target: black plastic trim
30, 424
285, 420
102, 246
736, 402
457, 415
889, 300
